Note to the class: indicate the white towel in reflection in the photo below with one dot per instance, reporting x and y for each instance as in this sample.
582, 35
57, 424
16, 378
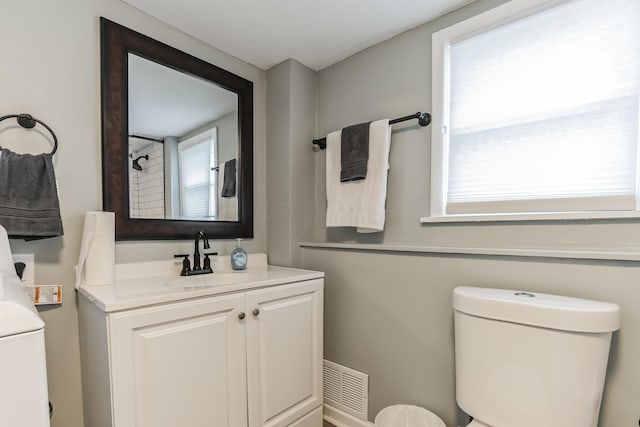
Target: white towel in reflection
6, 259
10, 286
361, 203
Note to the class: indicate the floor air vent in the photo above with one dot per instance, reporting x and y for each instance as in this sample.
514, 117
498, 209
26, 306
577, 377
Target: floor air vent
346, 389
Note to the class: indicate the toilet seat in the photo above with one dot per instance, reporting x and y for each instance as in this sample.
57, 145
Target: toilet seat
476, 423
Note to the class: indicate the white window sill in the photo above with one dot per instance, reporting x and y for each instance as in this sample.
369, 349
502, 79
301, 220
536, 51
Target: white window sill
543, 216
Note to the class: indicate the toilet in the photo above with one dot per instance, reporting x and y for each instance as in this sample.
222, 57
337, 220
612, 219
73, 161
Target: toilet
530, 360
23, 389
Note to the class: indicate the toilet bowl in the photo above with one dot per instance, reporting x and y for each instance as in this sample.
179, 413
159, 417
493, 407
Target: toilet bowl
529, 360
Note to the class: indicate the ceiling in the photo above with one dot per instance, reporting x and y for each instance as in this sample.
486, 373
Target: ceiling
317, 33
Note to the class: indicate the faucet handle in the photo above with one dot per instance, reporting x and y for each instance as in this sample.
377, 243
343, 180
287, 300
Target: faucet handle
207, 261
186, 265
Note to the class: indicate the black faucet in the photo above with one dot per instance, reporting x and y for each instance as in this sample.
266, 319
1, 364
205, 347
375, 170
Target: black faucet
206, 268
196, 252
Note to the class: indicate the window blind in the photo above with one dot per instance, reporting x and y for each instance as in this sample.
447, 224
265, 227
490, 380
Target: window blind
196, 175
543, 112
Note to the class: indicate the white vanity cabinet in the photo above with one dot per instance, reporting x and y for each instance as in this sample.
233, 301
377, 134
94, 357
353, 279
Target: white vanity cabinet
284, 353
248, 358
179, 365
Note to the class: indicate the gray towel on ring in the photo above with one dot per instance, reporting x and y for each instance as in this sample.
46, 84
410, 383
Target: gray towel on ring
29, 206
354, 152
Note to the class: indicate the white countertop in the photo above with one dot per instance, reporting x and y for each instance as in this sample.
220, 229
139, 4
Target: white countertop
151, 283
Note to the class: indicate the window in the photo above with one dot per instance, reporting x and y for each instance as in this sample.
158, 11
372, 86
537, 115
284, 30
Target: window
535, 108
199, 176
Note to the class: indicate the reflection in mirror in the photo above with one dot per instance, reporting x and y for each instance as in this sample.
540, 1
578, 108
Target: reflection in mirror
177, 141
183, 145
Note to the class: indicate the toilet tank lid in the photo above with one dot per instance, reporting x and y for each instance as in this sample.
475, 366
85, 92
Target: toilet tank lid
536, 309
16, 319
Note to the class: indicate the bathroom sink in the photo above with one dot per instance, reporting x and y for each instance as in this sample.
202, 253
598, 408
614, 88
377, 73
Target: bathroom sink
216, 279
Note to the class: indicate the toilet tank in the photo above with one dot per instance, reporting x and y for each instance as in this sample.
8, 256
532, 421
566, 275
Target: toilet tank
529, 359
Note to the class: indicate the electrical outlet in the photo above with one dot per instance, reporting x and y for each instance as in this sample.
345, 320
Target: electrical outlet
28, 277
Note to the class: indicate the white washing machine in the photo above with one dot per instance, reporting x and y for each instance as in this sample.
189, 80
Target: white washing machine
23, 373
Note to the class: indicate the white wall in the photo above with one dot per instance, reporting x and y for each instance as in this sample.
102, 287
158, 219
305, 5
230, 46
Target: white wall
51, 69
146, 187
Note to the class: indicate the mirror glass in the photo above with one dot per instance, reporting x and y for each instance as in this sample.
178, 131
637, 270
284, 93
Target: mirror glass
177, 141
183, 145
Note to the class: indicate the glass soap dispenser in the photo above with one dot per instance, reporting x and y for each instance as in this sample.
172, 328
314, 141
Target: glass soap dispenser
238, 257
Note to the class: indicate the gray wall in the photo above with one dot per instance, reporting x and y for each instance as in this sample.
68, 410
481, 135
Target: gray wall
51, 69
388, 311
389, 315
291, 121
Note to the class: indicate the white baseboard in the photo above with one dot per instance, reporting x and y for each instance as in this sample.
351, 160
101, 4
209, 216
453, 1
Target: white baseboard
341, 419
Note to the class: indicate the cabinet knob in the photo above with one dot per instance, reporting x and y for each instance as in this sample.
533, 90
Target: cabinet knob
241, 316
256, 311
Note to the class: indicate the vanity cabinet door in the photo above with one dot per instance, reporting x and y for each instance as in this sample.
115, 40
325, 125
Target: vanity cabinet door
181, 364
284, 353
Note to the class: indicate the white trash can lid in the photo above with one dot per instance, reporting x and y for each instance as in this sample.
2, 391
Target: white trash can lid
407, 416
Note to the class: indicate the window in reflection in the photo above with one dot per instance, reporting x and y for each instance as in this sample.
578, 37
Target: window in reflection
199, 176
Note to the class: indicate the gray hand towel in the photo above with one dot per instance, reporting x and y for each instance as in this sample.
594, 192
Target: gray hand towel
29, 206
354, 152
229, 183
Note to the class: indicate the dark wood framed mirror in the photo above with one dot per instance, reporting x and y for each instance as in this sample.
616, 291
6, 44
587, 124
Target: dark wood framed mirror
212, 104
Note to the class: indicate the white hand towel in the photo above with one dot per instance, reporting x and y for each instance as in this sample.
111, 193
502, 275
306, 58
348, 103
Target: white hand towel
371, 212
359, 203
342, 197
